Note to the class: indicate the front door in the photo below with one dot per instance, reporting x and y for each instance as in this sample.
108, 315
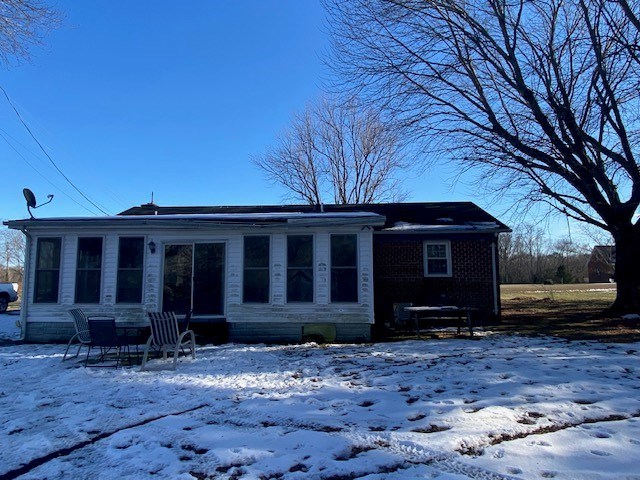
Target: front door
194, 278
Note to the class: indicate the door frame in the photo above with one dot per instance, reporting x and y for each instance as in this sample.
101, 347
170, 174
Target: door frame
225, 275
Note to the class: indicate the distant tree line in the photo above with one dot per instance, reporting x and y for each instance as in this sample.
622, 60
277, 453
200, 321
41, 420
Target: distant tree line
526, 256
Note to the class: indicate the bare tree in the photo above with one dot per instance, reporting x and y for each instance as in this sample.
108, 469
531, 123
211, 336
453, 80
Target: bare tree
541, 96
12, 251
340, 150
23, 24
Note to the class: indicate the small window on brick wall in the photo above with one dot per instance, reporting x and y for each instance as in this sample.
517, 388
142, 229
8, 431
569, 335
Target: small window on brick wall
437, 258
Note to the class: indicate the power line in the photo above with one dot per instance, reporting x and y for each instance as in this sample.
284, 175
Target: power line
4, 134
24, 124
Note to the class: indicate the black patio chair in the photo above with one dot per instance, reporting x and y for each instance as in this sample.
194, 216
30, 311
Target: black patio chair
105, 337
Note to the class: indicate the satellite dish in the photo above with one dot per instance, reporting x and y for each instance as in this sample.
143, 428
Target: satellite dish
31, 200
29, 197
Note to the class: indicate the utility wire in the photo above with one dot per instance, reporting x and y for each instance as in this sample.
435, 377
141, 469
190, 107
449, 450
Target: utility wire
4, 134
24, 124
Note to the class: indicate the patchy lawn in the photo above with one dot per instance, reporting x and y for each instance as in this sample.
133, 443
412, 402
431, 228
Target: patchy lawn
499, 406
568, 311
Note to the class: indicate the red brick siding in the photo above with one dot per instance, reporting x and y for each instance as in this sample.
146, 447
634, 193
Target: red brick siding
399, 276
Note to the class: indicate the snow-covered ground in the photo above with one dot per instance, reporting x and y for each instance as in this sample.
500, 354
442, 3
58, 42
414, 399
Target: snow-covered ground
495, 407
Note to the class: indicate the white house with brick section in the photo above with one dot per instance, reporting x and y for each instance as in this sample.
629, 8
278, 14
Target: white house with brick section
261, 273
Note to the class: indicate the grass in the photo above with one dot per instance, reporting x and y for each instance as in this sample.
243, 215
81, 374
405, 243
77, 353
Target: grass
575, 312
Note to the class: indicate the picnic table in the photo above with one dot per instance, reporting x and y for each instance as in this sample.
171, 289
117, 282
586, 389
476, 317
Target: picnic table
438, 312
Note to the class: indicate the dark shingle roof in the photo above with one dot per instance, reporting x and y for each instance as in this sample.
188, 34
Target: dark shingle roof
436, 213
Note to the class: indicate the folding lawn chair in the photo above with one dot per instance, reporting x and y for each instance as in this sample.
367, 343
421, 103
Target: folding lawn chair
82, 331
165, 336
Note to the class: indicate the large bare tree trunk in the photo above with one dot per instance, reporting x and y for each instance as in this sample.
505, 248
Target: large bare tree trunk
627, 270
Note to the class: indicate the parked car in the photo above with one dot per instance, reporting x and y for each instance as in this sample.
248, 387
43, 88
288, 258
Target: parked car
8, 293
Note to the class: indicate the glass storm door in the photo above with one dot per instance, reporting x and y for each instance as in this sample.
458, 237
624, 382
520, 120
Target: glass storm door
194, 278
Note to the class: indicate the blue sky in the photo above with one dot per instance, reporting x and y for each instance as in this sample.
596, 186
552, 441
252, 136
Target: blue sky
130, 98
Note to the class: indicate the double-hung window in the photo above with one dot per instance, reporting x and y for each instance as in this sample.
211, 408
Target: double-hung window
300, 268
437, 258
130, 268
344, 268
89, 270
47, 270
255, 287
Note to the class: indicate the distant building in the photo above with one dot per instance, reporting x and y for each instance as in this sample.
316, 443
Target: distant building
602, 264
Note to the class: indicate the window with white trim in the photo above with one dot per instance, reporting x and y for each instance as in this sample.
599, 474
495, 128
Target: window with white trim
255, 278
47, 270
89, 270
344, 268
437, 258
130, 270
299, 268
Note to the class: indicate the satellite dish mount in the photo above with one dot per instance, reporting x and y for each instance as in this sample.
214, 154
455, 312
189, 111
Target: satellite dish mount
31, 200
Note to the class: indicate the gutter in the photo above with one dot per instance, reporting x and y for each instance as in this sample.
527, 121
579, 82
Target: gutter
495, 275
160, 223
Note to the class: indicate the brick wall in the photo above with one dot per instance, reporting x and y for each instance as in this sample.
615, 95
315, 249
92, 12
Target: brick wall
399, 276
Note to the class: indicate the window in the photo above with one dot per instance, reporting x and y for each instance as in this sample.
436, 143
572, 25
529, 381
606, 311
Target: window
344, 268
130, 267
47, 270
255, 287
437, 259
300, 268
88, 270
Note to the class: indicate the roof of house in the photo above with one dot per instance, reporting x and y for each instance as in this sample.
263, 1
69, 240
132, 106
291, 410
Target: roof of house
442, 217
434, 216
604, 252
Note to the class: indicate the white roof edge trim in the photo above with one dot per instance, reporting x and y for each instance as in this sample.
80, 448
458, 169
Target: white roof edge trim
293, 218
209, 216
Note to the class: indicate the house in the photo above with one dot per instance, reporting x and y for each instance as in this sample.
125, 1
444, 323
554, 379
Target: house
602, 263
260, 273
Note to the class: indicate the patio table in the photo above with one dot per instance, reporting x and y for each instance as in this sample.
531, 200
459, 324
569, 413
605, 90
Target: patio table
416, 313
134, 330
136, 333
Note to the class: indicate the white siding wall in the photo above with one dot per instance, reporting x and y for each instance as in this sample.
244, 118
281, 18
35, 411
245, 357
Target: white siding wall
320, 311
110, 244
323, 264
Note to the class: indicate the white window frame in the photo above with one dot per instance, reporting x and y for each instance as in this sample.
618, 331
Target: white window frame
447, 244
313, 268
269, 269
144, 262
102, 260
357, 268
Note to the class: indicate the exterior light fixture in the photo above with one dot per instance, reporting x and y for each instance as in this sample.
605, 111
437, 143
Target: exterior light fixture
152, 246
